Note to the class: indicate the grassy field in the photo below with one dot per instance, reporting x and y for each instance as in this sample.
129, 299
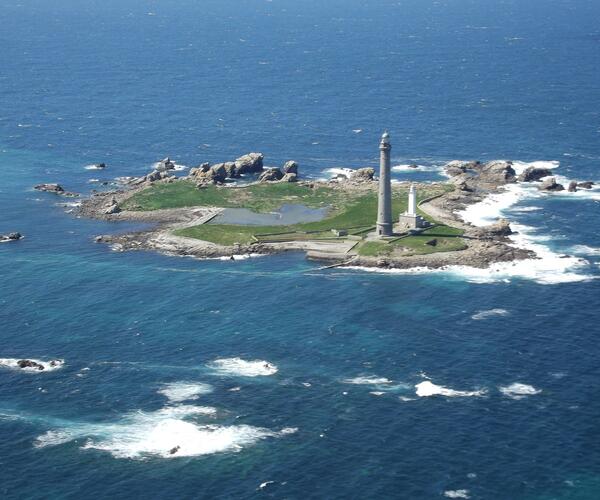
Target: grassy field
349, 210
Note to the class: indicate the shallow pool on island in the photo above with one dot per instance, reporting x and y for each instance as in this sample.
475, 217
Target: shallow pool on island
287, 214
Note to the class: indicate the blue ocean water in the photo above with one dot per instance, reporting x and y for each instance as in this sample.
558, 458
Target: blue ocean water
128, 83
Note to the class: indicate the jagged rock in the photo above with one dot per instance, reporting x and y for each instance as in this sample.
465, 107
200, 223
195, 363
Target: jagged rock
165, 164
250, 163
497, 172
455, 167
363, 174
585, 185
112, 208
49, 188
218, 172
533, 174
572, 187
202, 168
290, 167
461, 185
174, 450
27, 363
290, 177
550, 184
272, 174
231, 169
157, 175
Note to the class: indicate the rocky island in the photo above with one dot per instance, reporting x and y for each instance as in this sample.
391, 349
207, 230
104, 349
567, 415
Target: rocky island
240, 208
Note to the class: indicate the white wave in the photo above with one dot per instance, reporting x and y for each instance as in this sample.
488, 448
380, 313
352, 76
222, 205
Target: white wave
518, 390
47, 366
367, 380
412, 168
585, 250
357, 130
177, 392
94, 167
334, 172
241, 256
427, 388
520, 166
243, 368
525, 209
160, 434
489, 314
456, 494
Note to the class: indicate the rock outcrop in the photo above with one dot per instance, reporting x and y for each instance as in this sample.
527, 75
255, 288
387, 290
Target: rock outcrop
585, 185
55, 189
249, 163
550, 184
290, 167
363, 175
572, 187
28, 363
165, 164
271, 175
497, 172
290, 177
534, 174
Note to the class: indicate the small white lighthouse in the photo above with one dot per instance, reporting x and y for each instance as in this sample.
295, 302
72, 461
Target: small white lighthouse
410, 219
412, 201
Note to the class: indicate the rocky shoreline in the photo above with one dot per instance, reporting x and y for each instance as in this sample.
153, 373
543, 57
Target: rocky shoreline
472, 182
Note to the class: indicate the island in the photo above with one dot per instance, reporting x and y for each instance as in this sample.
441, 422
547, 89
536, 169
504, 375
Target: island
240, 208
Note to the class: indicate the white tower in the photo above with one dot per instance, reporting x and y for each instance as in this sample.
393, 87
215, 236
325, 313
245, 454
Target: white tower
412, 201
384, 210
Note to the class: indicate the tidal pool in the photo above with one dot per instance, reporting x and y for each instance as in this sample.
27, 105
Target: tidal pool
287, 214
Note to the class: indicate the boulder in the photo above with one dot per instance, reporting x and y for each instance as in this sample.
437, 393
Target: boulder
572, 187
202, 168
250, 163
154, 176
112, 208
363, 174
585, 185
10, 237
455, 167
49, 188
27, 363
218, 172
461, 185
289, 177
497, 172
165, 164
432, 243
500, 228
290, 167
534, 174
270, 175
550, 184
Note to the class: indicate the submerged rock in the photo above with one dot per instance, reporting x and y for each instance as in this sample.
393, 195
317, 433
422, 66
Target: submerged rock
49, 188
11, 237
28, 363
550, 184
585, 185
572, 187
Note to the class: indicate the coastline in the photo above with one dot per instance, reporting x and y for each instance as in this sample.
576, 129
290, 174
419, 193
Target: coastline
485, 246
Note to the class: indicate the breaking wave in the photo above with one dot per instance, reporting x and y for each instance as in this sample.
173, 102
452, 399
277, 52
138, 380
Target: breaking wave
428, 388
490, 313
367, 380
456, 494
519, 391
243, 368
167, 433
416, 168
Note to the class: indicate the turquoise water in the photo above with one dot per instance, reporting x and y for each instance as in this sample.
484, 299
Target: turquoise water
336, 413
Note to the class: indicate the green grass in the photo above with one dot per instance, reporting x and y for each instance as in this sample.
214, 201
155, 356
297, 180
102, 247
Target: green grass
259, 197
349, 210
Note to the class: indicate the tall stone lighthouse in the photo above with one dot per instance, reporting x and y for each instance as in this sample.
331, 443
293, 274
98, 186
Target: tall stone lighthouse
384, 210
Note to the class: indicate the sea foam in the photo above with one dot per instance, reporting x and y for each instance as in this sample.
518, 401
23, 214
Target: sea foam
243, 368
490, 313
519, 391
428, 388
367, 380
177, 392
165, 434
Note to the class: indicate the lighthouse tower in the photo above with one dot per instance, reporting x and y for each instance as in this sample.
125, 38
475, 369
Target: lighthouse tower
410, 219
384, 211
412, 201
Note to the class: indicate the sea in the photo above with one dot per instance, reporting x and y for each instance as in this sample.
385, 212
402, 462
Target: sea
271, 377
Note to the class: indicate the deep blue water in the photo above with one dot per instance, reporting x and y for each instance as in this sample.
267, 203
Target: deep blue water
128, 83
